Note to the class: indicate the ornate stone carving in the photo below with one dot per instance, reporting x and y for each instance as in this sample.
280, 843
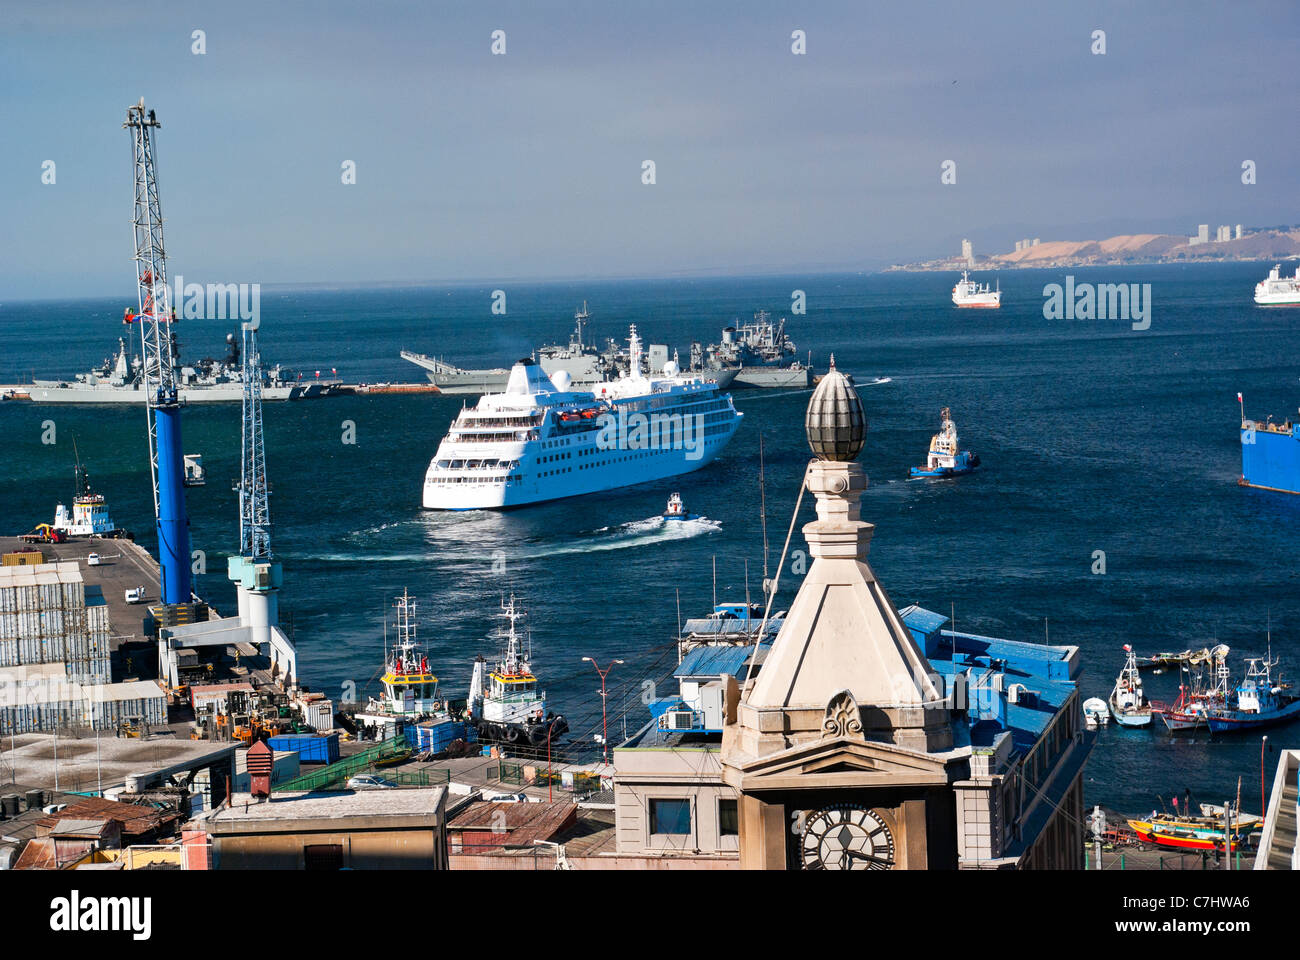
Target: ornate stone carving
843, 717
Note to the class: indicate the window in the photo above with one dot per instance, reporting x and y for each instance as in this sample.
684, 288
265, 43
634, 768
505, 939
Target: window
728, 818
670, 816
323, 856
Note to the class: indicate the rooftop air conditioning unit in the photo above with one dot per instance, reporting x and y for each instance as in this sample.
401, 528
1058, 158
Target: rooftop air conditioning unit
680, 719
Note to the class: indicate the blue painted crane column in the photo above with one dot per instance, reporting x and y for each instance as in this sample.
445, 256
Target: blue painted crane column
173, 522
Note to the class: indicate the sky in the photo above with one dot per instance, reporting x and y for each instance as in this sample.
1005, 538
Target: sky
529, 165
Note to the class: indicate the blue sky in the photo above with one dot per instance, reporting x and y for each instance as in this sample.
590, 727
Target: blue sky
528, 165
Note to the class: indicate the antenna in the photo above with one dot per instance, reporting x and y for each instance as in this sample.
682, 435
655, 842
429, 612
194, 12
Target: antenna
715, 581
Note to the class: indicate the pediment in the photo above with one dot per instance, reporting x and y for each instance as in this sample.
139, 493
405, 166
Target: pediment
841, 762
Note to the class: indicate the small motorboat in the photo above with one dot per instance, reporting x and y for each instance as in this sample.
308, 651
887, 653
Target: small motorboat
676, 509
1096, 713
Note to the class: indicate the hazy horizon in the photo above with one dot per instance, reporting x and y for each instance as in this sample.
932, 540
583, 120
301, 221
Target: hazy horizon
523, 167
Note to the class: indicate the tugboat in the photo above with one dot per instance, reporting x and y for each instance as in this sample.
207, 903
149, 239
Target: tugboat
89, 514
410, 688
1127, 703
1259, 702
945, 460
505, 704
676, 510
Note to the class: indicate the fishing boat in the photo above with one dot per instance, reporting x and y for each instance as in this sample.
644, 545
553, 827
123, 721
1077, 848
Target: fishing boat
1163, 660
676, 509
945, 459
1096, 713
1248, 822
1187, 832
1195, 702
1257, 702
1128, 705
506, 704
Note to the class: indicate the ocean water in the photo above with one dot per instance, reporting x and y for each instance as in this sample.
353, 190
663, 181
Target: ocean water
1093, 437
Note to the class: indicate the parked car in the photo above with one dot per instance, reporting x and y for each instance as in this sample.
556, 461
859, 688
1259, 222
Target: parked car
138, 595
93, 560
496, 797
368, 781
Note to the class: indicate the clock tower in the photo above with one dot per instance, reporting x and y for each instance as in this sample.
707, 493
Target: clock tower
843, 749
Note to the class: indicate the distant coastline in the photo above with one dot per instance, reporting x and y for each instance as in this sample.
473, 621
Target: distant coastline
1126, 249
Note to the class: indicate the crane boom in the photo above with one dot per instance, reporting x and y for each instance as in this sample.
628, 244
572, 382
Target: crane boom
254, 504
159, 350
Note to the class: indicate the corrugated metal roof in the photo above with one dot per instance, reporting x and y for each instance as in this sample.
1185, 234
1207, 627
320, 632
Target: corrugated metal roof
918, 618
714, 662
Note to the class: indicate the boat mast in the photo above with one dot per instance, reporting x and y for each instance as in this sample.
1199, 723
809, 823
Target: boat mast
762, 514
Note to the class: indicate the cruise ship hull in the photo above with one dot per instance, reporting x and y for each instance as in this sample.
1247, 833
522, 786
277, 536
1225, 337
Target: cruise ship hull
624, 469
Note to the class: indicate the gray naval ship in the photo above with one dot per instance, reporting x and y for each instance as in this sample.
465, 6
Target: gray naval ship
119, 379
587, 365
758, 353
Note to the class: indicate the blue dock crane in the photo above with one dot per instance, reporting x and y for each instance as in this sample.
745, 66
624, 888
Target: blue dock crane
159, 350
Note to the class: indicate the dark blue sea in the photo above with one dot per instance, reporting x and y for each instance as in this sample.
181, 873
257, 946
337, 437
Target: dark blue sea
1093, 437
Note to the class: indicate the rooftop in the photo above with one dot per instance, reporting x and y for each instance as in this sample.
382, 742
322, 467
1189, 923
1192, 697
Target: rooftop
398, 803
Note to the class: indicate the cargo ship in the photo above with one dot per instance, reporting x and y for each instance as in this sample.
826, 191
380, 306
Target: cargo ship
1270, 454
1277, 290
968, 293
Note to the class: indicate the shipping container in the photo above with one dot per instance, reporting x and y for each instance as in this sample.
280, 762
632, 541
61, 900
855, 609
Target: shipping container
310, 747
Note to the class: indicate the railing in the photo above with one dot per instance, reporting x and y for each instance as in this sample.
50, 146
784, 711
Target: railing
343, 769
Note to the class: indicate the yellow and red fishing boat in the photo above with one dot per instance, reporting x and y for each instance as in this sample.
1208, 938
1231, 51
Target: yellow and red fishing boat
1186, 832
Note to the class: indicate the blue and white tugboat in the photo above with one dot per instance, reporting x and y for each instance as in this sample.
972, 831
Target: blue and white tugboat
945, 459
506, 704
676, 509
1128, 704
1259, 701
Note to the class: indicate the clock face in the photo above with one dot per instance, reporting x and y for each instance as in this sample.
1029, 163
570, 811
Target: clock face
844, 836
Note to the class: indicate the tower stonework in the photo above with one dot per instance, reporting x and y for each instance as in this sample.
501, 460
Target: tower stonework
843, 747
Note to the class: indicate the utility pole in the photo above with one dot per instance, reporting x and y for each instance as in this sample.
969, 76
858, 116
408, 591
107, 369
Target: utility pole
604, 713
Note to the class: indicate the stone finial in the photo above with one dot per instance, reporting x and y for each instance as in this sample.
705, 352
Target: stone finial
835, 423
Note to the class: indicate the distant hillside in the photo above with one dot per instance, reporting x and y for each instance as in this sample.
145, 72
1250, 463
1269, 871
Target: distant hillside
1131, 248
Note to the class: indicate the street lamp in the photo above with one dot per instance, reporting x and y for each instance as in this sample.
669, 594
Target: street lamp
604, 714
1263, 797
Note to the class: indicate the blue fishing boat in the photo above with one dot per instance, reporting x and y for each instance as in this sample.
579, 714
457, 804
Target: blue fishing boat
945, 458
1128, 704
1258, 701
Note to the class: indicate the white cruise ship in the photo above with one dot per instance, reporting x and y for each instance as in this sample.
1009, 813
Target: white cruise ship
541, 441
1277, 290
968, 293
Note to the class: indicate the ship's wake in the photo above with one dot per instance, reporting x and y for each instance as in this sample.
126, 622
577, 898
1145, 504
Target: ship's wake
623, 536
